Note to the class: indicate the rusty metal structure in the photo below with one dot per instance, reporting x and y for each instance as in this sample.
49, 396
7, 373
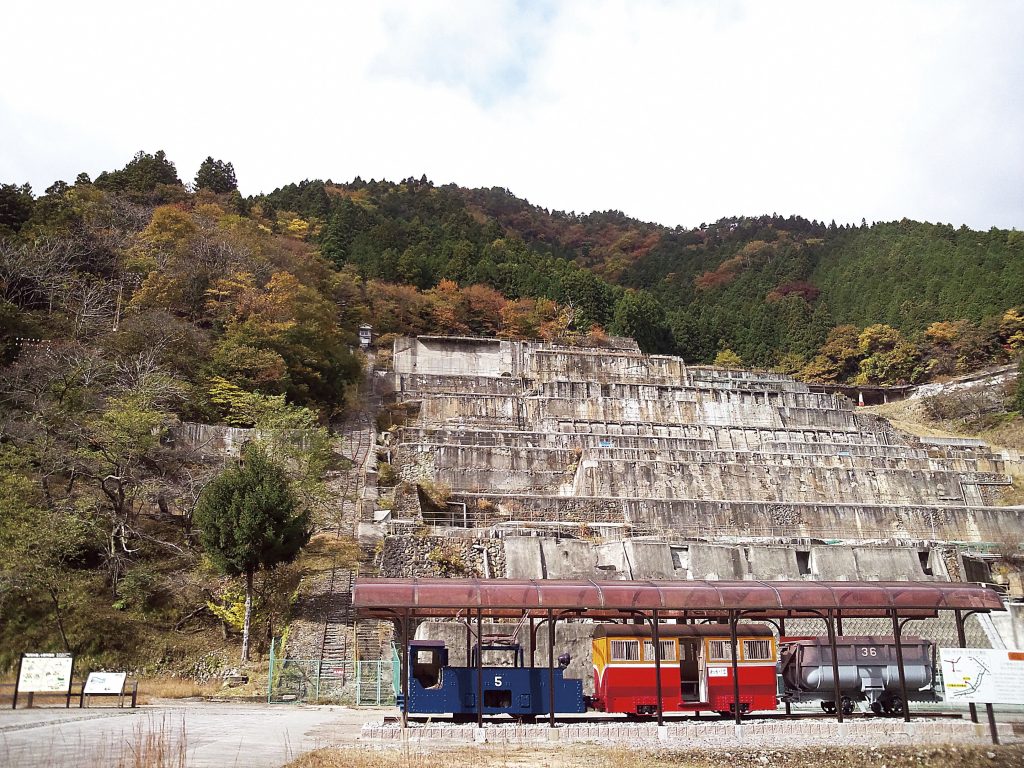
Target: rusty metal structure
406, 601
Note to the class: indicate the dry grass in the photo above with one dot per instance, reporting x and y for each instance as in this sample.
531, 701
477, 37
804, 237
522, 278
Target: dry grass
326, 549
494, 756
161, 744
152, 688
152, 743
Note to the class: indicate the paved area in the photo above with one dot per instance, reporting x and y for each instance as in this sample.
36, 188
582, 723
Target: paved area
207, 733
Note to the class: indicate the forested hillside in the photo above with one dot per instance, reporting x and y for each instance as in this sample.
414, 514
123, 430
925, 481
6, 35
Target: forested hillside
134, 302
768, 291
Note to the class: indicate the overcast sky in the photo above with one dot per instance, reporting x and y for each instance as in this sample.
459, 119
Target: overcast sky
675, 112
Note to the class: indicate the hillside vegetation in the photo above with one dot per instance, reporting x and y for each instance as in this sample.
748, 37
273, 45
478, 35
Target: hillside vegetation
134, 302
887, 303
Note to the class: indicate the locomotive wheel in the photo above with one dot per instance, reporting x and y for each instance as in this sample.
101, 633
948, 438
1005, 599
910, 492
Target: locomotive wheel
847, 704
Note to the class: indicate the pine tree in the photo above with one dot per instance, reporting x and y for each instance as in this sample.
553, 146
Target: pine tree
249, 519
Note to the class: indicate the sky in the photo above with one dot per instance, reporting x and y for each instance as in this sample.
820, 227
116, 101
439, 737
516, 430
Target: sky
673, 112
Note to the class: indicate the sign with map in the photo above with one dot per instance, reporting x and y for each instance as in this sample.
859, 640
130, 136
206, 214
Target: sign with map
104, 683
983, 675
45, 673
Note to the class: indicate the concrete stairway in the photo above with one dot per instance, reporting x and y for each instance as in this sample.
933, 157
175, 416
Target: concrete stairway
336, 646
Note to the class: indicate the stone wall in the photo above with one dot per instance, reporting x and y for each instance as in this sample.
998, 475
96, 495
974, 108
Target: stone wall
441, 556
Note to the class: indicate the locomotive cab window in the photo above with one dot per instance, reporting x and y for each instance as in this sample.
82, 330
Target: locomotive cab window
757, 650
668, 650
625, 650
426, 667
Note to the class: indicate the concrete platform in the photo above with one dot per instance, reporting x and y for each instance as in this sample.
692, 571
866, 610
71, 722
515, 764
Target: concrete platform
861, 732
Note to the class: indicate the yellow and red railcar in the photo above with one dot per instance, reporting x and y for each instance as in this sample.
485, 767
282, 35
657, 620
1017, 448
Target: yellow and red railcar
696, 668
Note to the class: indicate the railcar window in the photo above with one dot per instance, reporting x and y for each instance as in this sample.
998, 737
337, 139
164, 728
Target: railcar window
668, 650
757, 650
720, 650
625, 650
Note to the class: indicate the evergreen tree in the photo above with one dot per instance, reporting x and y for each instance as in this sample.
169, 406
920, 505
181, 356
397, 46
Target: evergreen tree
249, 519
217, 176
145, 176
639, 315
15, 206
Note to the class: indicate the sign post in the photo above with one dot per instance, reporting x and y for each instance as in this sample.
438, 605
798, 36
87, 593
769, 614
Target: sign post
44, 673
983, 676
104, 684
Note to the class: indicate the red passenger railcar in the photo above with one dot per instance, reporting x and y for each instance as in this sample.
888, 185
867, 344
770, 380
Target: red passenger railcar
696, 668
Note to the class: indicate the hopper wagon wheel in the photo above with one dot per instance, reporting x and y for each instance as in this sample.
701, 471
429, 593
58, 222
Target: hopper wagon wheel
876, 707
894, 706
829, 707
847, 704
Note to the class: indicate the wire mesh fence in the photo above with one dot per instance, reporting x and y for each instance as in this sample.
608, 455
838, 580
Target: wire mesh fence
354, 682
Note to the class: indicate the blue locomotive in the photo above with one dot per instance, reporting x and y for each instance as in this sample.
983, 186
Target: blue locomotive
516, 690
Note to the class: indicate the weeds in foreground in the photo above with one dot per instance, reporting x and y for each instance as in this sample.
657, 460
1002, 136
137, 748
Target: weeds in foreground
151, 745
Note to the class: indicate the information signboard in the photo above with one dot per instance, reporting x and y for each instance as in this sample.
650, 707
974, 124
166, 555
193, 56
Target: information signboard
45, 673
101, 683
983, 675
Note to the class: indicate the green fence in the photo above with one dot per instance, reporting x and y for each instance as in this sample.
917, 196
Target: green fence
370, 683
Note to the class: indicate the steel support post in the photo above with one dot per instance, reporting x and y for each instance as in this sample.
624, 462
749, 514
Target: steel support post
533, 641
782, 632
733, 620
833, 650
992, 723
551, 669
896, 633
479, 669
961, 636
404, 669
656, 637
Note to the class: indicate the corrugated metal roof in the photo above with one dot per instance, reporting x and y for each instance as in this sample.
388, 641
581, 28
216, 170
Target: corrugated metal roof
602, 599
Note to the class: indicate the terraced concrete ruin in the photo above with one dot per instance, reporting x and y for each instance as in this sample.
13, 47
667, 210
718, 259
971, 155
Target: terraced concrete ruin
530, 460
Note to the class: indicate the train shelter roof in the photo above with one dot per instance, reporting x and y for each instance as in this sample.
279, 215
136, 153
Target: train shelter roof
448, 598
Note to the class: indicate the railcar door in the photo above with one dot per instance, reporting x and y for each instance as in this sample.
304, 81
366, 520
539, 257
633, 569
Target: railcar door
689, 669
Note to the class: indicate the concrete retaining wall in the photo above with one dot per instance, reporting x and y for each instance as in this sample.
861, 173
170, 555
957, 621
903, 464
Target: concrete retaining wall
700, 518
763, 733
529, 557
